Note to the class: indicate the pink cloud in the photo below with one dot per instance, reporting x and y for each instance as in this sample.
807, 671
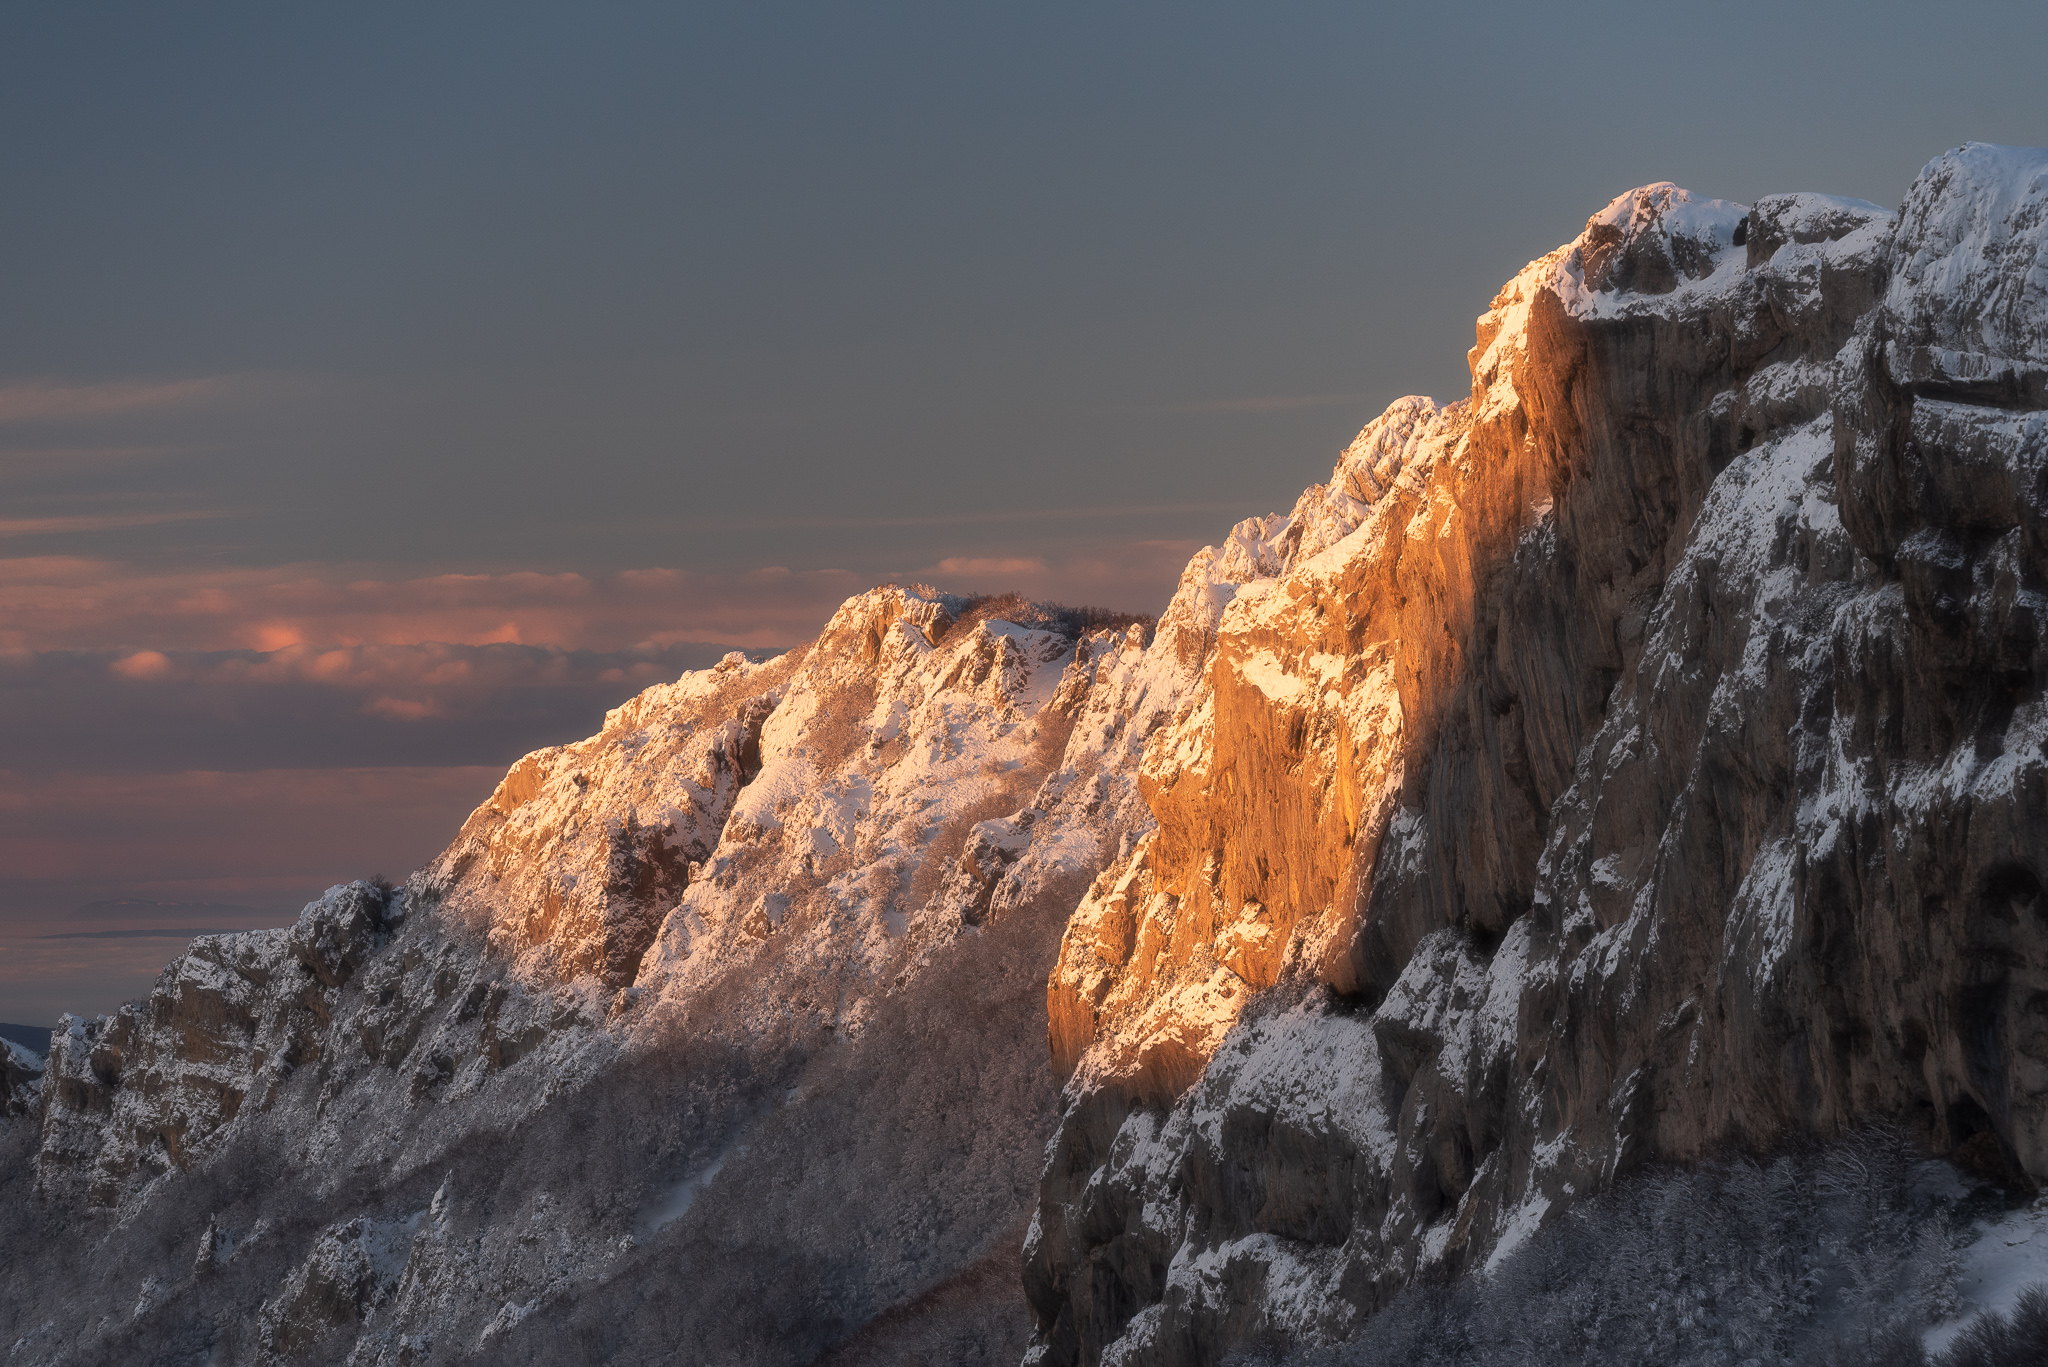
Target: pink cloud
143, 664
68, 602
55, 401
972, 567
302, 614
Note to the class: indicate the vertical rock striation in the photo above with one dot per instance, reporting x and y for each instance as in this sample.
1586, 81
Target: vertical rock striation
1639, 758
1701, 806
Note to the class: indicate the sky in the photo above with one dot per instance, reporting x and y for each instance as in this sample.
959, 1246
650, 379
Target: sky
386, 391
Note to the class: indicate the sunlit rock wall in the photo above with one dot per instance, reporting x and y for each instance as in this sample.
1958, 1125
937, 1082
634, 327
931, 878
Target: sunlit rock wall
1709, 813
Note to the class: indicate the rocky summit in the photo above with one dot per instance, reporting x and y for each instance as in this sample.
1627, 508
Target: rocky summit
1629, 770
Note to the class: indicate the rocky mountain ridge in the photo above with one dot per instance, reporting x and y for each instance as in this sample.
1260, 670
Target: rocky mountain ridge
1710, 818
1637, 760
740, 870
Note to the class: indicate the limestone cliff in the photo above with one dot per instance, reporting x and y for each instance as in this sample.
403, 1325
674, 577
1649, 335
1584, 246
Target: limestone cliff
1637, 759
1657, 769
720, 923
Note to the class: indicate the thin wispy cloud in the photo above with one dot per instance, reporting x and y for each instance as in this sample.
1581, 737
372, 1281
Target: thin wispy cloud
1002, 516
43, 459
408, 682
80, 603
97, 522
69, 602
23, 401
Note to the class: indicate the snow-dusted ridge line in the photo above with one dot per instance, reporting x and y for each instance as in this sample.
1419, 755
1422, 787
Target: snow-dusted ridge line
751, 862
1638, 757
1635, 858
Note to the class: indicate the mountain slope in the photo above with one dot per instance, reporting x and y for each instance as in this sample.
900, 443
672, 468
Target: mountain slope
1708, 811
1636, 761
646, 1020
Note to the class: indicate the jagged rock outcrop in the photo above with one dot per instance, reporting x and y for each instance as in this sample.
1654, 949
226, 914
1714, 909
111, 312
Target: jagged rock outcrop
690, 922
1639, 758
21, 1075
1704, 806
347, 1019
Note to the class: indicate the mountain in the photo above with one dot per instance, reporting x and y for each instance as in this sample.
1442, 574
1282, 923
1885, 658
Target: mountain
1655, 771
1634, 765
32, 1037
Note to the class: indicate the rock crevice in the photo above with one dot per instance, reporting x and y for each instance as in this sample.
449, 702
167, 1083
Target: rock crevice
1705, 811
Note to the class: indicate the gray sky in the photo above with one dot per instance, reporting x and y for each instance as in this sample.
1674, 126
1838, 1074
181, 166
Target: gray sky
417, 330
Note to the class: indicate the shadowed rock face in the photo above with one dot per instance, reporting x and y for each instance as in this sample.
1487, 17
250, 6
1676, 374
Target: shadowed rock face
21, 1072
744, 992
1711, 811
1638, 758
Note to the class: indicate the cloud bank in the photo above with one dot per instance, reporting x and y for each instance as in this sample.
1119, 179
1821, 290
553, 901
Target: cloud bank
79, 603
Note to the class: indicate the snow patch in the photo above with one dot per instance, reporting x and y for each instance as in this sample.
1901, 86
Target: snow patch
2006, 1256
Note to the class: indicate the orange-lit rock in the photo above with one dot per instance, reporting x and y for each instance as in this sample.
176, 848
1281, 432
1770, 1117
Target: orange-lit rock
1643, 757
1711, 808
1325, 672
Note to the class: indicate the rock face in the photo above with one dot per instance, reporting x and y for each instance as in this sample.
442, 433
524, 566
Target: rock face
21, 1075
648, 1011
1661, 762
1638, 759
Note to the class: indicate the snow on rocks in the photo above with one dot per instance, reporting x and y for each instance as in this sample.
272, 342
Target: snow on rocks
1640, 755
21, 1073
904, 773
337, 1027
1709, 822
1966, 312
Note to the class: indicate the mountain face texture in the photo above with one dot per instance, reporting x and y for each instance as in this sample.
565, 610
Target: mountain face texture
1659, 760
1635, 762
723, 1028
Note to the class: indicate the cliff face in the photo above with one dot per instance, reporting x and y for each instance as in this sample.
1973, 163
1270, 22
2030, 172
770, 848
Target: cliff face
21, 1075
1698, 800
671, 993
1639, 758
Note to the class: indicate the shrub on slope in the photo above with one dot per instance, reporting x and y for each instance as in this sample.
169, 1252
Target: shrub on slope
1819, 1259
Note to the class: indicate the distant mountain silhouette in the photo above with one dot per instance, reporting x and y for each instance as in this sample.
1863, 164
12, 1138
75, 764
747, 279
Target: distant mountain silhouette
36, 1037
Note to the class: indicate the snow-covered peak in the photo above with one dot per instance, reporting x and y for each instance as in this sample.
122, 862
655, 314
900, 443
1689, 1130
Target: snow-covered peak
1652, 238
840, 810
1967, 304
1807, 218
1649, 241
